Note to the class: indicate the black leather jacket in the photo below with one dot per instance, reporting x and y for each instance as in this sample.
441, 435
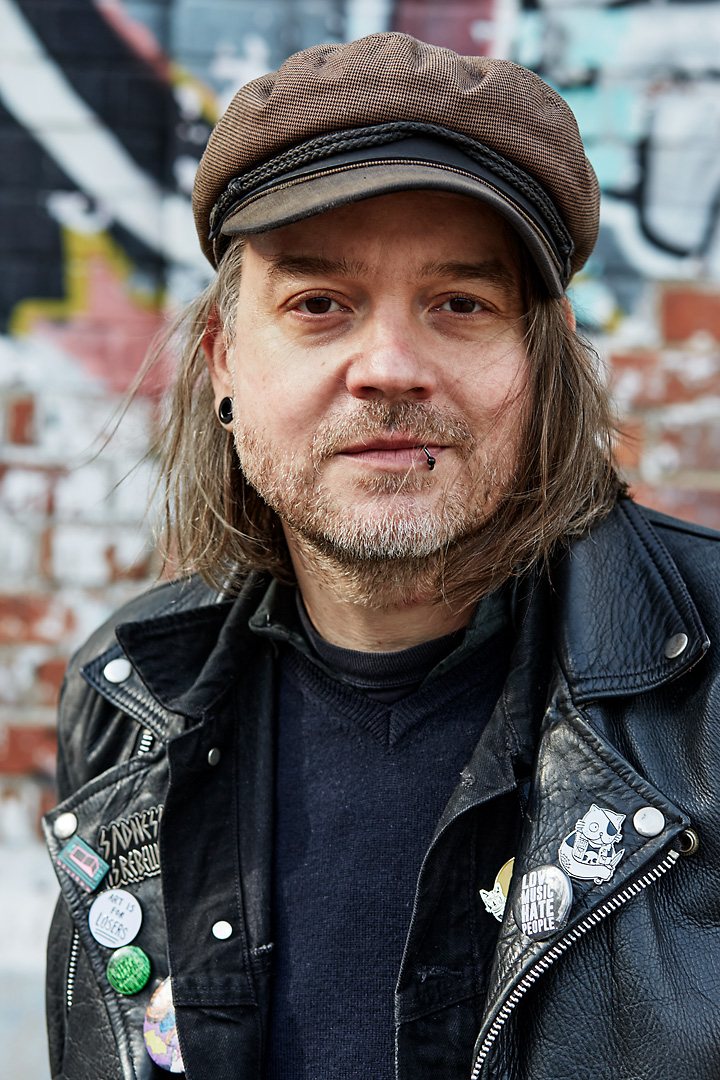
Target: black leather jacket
611, 702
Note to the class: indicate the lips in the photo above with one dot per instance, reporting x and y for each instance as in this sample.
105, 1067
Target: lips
395, 451
390, 444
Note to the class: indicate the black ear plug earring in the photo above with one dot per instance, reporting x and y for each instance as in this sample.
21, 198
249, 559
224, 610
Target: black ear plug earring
225, 411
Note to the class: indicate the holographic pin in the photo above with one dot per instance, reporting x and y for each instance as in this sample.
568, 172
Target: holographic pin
160, 1030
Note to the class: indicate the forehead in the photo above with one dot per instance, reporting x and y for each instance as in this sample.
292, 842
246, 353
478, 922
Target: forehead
407, 229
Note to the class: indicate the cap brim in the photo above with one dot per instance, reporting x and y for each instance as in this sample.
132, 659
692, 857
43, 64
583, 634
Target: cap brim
295, 198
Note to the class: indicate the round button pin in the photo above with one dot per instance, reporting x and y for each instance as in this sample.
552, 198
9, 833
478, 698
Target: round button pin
65, 826
649, 821
128, 970
543, 903
118, 670
115, 918
160, 1030
222, 930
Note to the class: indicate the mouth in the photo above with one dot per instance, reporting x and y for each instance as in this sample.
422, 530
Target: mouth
395, 451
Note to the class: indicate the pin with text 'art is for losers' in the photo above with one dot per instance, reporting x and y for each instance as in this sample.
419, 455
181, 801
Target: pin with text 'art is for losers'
543, 903
495, 899
115, 918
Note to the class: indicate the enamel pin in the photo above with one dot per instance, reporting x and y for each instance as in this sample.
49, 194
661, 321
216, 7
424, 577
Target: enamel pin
82, 864
588, 853
495, 899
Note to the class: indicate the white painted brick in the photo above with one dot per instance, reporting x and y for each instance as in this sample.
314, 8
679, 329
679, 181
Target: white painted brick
131, 496
69, 426
18, 665
36, 364
24, 492
28, 890
19, 544
79, 555
83, 494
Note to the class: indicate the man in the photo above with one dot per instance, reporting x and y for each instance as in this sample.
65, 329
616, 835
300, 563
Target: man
399, 782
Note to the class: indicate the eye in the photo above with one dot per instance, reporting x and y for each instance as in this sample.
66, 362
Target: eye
461, 305
318, 305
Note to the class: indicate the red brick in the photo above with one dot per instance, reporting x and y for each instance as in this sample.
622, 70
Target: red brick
49, 680
649, 379
28, 751
137, 571
33, 619
702, 507
21, 421
697, 446
629, 445
684, 311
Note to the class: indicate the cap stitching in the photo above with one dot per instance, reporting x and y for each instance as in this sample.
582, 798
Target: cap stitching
253, 197
357, 138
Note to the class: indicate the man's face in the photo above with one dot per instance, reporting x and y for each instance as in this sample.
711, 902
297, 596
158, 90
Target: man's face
362, 336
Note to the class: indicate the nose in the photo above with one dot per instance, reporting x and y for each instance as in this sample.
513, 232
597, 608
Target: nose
391, 362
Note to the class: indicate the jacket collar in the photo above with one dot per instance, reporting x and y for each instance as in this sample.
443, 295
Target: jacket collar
616, 600
619, 600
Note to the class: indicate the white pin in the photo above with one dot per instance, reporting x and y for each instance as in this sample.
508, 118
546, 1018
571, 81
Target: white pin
115, 918
495, 899
588, 852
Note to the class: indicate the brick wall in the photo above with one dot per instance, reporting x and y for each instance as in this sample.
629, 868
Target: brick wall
104, 110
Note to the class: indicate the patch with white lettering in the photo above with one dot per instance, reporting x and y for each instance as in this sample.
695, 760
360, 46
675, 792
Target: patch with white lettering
131, 848
543, 903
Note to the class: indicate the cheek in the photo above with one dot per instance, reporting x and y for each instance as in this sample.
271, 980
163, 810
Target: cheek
496, 396
271, 402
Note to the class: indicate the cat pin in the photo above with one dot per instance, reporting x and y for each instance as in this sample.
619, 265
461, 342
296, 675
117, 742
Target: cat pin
588, 852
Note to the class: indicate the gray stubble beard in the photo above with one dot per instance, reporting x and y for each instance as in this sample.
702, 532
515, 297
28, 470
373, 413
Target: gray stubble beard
393, 558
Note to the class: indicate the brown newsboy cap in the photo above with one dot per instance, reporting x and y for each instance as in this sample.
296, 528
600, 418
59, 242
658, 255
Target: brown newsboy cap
340, 123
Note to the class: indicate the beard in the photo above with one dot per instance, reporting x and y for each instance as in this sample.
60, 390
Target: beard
381, 543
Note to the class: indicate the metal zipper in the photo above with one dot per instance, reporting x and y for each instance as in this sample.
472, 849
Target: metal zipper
146, 741
72, 965
560, 946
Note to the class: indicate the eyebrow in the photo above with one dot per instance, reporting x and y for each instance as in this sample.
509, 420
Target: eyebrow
303, 265
491, 271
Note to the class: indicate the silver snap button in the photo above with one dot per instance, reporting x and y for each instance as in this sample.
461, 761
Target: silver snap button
64, 826
675, 645
118, 670
222, 930
213, 756
648, 821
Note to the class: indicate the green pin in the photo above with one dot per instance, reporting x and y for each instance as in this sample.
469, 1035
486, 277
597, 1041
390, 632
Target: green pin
128, 969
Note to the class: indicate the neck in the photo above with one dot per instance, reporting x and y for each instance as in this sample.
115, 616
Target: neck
369, 606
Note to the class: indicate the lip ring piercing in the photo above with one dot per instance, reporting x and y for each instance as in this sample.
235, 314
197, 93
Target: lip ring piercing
430, 458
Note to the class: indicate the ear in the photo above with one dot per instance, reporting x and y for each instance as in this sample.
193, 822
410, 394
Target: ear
569, 313
217, 359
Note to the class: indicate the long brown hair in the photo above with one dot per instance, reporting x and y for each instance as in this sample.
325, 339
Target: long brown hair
217, 525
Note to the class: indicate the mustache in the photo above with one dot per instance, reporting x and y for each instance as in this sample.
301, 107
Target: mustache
418, 420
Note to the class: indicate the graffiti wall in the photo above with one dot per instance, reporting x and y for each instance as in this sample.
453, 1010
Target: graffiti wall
105, 107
